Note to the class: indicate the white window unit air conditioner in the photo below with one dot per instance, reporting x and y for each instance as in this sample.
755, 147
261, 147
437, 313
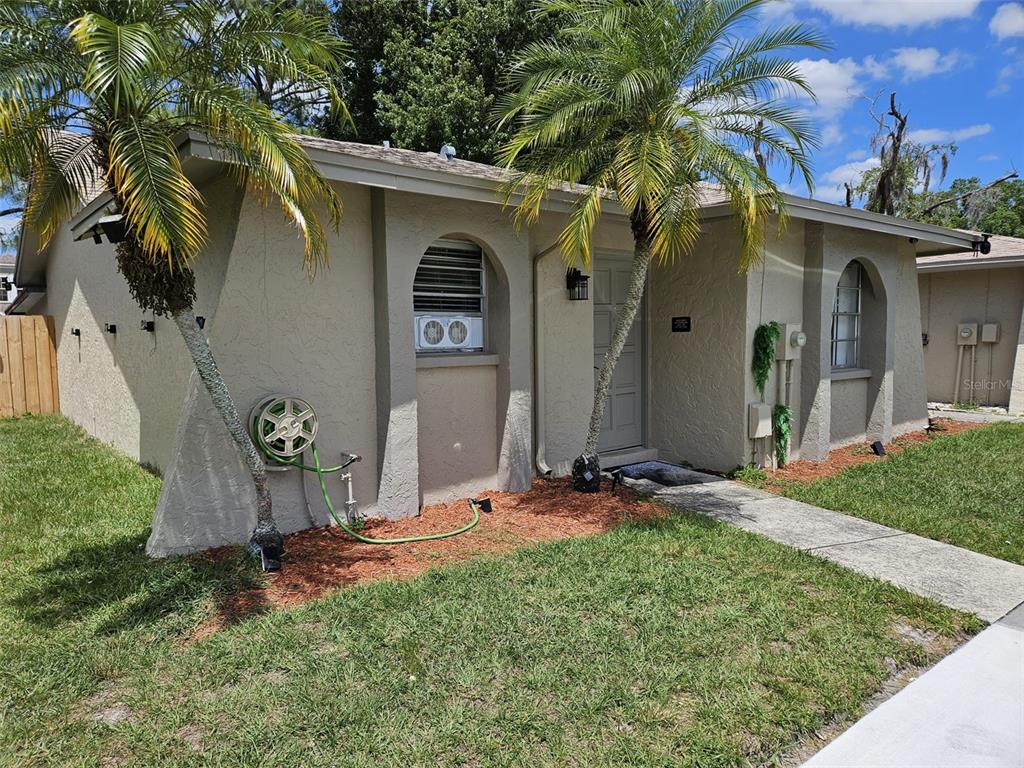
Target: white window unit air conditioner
438, 333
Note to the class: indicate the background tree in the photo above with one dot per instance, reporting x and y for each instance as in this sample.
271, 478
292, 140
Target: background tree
92, 96
12, 204
648, 101
427, 73
904, 164
996, 207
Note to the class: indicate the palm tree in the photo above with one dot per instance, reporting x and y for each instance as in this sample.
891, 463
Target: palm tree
646, 102
93, 94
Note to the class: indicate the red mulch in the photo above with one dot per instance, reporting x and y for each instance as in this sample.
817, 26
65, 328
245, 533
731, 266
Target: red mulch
852, 455
320, 560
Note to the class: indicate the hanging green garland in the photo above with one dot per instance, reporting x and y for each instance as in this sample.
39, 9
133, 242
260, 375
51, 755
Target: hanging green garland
782, 421
765, 338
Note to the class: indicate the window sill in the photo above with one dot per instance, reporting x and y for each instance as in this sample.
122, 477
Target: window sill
844, 374
442, 360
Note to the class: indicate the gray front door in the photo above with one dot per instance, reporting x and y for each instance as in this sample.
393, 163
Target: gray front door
623, 425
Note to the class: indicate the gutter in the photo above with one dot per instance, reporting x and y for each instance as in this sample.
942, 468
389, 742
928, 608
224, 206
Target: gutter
539, 424
828, 213
977, 263
28, 295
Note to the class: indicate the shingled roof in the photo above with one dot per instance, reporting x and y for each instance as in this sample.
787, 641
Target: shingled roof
433, 161
1006, 252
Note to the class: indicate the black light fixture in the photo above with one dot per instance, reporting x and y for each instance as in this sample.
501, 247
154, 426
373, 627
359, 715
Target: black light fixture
110, 327
149, 326
577, 284
113, 227
877, 448
200, 321
76, 332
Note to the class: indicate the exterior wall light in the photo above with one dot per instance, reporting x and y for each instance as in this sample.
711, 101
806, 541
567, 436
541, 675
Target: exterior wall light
200, 321
113, 227
149, 326
110, 327
76, 332
577, 284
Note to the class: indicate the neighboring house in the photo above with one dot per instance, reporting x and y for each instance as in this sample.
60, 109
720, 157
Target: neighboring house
424, 239
972, 315
8, 291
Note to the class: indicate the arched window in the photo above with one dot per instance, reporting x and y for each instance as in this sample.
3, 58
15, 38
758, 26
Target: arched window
449, 298
846, 318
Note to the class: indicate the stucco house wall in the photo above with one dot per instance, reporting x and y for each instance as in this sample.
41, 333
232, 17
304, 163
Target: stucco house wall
127, 388
775, 292
972, 296
565, 341
436, 427
697, 380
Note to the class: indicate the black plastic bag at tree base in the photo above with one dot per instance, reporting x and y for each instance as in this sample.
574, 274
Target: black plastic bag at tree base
586, 474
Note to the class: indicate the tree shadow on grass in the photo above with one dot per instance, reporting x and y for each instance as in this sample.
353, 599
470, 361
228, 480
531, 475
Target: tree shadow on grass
115, 586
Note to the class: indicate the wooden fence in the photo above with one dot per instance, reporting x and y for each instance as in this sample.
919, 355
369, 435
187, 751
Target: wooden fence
28, 366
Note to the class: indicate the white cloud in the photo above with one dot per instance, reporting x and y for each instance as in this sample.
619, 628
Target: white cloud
988, 158
850, 172
875, 68
1008, 73
916, 63
9, 222
895, 13
831, 134
1008, 21
834, 83
857, 154
939, 135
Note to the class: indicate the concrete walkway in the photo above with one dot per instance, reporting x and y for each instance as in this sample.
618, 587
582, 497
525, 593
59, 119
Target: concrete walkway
965, 712
956, 577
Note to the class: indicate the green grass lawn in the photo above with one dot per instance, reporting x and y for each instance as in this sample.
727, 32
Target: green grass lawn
682, 642
965, 489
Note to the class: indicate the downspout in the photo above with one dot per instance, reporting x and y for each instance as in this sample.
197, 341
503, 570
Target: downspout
538, 366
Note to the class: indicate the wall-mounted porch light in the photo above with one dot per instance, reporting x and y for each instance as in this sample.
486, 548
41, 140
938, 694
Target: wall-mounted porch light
149, 326
577, 284
110, 327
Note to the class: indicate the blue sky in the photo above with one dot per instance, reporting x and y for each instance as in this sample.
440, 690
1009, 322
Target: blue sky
957, 67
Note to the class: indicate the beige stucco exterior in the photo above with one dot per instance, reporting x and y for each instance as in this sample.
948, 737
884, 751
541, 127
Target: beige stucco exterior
437, 428
974, 296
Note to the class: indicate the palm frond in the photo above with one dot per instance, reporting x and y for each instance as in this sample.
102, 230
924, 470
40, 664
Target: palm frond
163, 208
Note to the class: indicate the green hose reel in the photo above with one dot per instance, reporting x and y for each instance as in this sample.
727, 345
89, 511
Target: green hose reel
284, 427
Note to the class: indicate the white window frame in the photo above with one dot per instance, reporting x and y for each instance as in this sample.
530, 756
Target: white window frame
857, 317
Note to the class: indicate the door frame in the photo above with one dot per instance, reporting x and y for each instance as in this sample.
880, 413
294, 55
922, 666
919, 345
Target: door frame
644, 313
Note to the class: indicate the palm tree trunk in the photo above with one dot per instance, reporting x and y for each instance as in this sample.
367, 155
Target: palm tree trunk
266, 533
623, 325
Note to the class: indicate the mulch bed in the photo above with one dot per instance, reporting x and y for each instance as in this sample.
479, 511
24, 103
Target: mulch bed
320, 560
852, 455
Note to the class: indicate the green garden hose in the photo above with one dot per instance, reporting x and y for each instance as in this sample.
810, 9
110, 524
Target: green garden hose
321, 471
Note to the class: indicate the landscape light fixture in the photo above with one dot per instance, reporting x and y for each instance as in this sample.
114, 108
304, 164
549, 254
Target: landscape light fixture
577, 284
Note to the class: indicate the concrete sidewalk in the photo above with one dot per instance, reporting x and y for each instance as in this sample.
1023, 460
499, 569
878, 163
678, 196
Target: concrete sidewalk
965, 712
956, 577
